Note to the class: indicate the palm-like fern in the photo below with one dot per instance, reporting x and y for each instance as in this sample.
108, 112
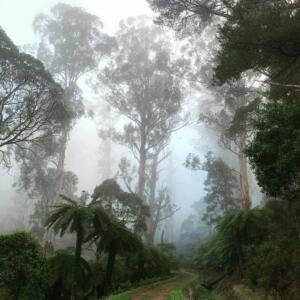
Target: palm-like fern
113, 237
73, 217
237, 230
61, 267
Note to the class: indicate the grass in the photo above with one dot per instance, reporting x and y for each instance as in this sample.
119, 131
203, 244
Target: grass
245, 293
208, 295
128, 294
177, 293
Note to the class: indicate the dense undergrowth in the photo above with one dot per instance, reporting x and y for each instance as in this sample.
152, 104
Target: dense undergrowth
27, 273
253, 252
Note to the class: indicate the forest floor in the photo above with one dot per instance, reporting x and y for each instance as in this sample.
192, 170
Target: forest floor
169, 289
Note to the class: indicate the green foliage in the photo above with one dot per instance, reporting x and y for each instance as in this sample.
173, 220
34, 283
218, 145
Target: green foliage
74, 217
69, 216
72, 44
177, 293
142, 267
260, 36
255, 38
169, 251
23, 270
156, 263
275, 150
126, 207
192, 233
142, 85
188, 16
265, 264
220, 186
61, 274
120, 254
38, 179
31, 101
259, 245
226, 250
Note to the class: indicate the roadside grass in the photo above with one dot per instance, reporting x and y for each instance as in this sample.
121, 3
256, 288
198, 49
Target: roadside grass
177, 293
208, 295
128, 294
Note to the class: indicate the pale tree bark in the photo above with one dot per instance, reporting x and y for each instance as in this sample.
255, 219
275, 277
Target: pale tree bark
60, 169
142, 164
61, 163
160, 207
151, 226
244, 179
106, 146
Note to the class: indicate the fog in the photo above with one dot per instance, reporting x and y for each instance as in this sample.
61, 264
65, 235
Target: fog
149, 149
83, 155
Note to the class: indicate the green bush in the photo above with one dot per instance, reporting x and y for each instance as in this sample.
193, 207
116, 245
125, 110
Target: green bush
61, 266
260, 246
264, 264
273, 266
23, 271
150, 262
225, 252
169, 251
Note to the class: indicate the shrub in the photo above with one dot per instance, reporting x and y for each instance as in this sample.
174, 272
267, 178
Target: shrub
236, 231
23, 272
61, 266
273, 266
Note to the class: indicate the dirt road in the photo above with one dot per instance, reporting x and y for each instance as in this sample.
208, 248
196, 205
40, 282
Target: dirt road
159, 291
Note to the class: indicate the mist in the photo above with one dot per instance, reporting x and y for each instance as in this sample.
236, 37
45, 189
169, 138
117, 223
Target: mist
149, 142
83, 152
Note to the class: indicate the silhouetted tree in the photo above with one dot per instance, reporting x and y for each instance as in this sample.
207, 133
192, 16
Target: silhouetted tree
31, 107
126, 207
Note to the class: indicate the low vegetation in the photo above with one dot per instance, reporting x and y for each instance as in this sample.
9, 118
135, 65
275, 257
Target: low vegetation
121, 260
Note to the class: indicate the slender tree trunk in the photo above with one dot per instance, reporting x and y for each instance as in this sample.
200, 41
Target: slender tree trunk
56, 290
110, 267
152, 232
150, 236
106, 147
99, 251
61, 163
49, 235
244, 180
69, 94
162, 237
79, 239
141, 267
151, 228
142, 164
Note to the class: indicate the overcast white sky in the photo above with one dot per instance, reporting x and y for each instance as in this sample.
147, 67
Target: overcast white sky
16, 17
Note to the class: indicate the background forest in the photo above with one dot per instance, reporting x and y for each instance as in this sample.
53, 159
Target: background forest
165, 146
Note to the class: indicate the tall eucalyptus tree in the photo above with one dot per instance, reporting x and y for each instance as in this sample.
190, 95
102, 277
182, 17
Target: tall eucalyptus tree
142, 85
72, 45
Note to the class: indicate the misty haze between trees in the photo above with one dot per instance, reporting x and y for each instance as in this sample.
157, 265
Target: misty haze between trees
230, 67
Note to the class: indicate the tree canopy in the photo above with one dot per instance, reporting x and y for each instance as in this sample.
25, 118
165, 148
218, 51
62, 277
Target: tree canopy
31, 107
